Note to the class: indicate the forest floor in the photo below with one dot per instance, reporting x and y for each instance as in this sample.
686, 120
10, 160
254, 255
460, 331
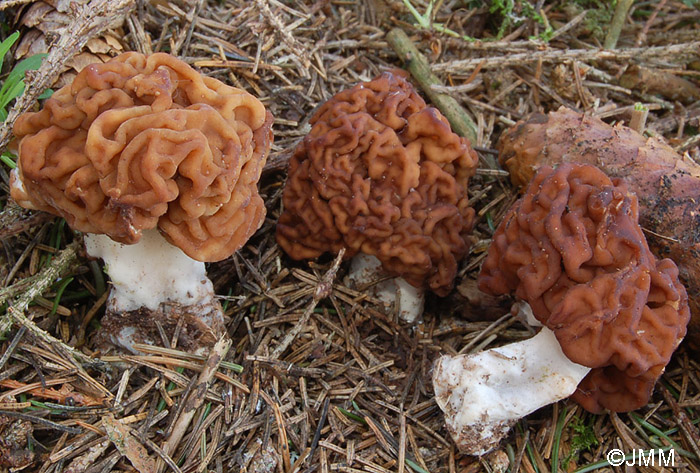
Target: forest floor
351, 391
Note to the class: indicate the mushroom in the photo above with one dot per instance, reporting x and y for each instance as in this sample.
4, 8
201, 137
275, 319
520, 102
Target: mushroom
612, 314
158, 165
667, 184
382, 175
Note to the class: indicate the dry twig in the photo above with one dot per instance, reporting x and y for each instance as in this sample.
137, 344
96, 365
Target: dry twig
617, 23
323, 289
16, 312
196, 396
675, 52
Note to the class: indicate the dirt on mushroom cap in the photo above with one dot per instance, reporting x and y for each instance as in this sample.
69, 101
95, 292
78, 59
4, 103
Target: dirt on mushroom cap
146, 141
383, 174
573, 249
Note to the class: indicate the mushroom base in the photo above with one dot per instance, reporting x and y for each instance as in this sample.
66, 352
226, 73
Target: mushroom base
154, 283
198, 327
406, 299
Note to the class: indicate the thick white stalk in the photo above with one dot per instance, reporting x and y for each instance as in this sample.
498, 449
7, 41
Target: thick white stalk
485, 393
150, 272
156, 280
395, 292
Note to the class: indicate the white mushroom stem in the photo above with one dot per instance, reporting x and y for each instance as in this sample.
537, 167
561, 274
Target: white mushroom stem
485, 393
155, 276
150, 272
396, 292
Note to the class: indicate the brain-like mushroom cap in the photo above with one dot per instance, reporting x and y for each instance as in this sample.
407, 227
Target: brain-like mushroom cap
146, 141
573, 249
383, 174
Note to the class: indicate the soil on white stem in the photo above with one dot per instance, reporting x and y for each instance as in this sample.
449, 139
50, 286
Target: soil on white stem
154, 281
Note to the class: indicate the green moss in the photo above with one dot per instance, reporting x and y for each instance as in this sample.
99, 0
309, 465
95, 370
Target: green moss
582, 439
599, 16
512, 13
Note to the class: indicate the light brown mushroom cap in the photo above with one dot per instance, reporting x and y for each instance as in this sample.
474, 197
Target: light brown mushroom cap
146, 141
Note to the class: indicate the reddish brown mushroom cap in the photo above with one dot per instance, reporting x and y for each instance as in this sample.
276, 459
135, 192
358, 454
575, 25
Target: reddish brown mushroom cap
382, 174
667, 184
146, 141
573, 249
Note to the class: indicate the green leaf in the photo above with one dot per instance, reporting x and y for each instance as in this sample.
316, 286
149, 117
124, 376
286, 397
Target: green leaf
14, 84
489, 221
45, 94
59, 293
9, 93
557, 440
7, 158
415, 466
6, 45
352, 416
31, 63
652, 428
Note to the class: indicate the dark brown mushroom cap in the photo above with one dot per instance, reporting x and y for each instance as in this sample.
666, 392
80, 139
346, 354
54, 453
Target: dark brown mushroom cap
383, 174
573, 249
146, 141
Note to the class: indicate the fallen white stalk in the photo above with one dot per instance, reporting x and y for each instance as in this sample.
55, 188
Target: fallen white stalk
485, 393
407, 299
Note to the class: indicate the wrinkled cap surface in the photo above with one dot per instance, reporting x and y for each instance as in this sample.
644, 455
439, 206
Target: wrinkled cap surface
666, 184
573, 249
383, 174
146, 141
